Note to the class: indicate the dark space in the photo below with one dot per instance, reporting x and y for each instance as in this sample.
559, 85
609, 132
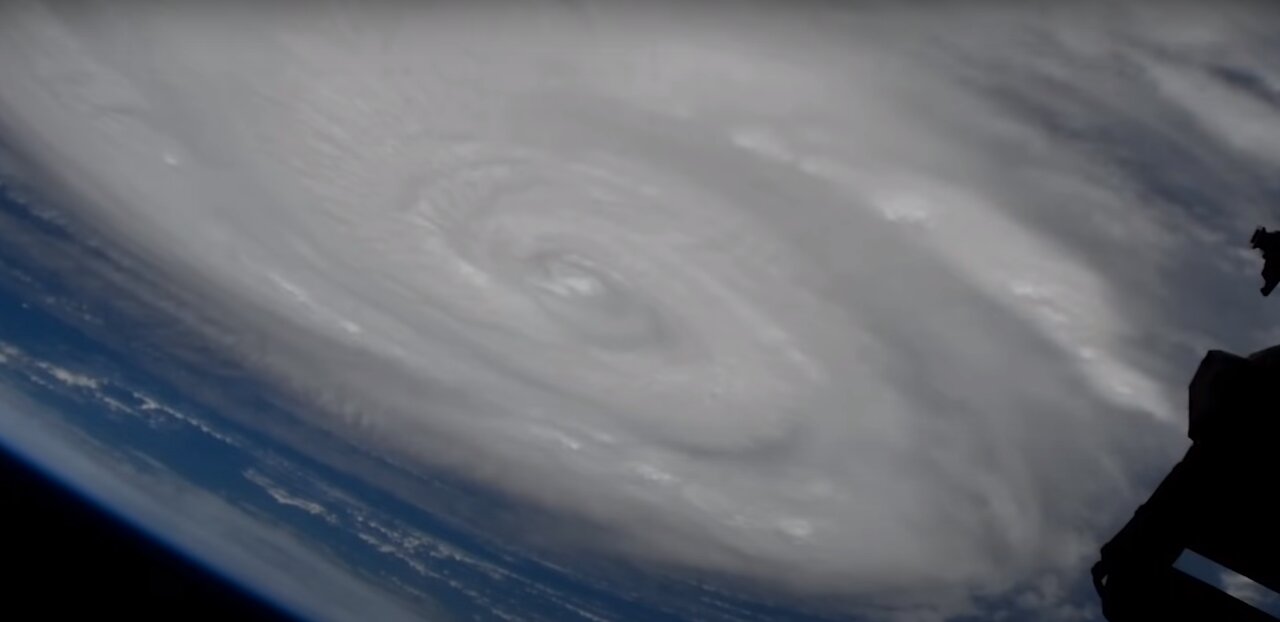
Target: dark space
64, 558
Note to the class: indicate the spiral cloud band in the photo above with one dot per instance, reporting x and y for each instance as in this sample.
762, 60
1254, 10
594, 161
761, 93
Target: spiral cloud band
847, 302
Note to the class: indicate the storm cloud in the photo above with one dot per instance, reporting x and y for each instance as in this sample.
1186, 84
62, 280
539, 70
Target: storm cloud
872, 306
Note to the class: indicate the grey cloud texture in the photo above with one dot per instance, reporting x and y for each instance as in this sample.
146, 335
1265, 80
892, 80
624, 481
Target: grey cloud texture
872, 305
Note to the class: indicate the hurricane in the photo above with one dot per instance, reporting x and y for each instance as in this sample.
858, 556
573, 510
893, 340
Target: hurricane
750, 294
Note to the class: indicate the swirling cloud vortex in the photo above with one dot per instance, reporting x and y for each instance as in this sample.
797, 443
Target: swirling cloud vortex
744, 291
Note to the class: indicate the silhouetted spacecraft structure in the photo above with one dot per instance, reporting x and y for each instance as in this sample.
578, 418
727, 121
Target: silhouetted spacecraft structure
1269, 243
1219, 502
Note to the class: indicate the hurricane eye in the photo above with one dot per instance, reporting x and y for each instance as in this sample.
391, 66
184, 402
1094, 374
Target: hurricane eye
592, 305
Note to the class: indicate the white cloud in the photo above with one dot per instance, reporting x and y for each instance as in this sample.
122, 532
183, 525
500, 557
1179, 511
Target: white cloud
71, 378
863, 303
283, 496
